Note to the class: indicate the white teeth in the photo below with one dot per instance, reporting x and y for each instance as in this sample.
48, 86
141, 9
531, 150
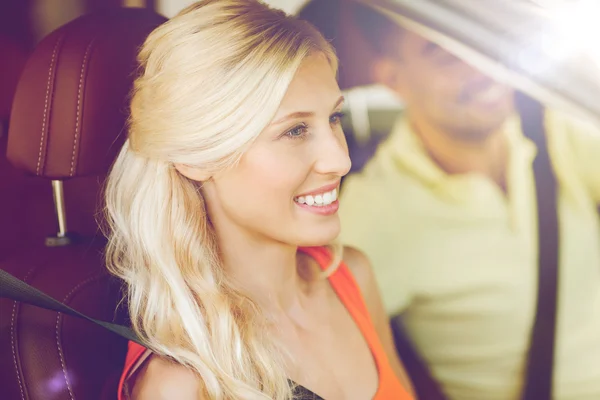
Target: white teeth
323, 199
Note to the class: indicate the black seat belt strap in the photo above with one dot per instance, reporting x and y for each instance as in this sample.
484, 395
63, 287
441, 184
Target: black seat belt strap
15, 289
540, 360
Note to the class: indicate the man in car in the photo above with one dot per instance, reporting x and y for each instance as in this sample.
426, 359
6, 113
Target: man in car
446, 211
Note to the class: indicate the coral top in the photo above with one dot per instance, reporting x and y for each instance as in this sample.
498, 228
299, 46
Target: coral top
349, 294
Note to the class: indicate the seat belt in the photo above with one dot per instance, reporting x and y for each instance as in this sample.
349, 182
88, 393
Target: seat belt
423, 382
540, 360
15, 289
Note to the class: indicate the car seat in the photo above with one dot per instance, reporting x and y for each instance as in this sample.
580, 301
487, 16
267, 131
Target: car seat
67, 124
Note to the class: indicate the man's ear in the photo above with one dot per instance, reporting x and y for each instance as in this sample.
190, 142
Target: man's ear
352, 48
193, 173
389, 73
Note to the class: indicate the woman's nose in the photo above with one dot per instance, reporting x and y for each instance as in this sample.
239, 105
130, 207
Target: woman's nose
332, 153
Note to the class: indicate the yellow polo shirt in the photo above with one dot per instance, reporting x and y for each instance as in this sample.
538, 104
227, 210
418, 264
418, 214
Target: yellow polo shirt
458, 258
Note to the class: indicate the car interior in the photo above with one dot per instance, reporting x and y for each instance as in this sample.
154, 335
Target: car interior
67, 120
63, 113
66, 124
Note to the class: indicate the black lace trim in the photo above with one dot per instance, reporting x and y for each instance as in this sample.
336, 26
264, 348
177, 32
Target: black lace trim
302, 393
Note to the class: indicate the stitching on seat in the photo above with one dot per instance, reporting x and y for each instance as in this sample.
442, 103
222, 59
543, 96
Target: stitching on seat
13, 342
51, 69
77, 118
58, 325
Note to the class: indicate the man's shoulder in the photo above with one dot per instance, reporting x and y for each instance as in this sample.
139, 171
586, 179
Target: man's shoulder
572, 127
382, 173
574, 139
380, 188
377, 210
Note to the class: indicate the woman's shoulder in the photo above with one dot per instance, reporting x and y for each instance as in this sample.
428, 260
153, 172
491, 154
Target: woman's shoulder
360, 267
162, 379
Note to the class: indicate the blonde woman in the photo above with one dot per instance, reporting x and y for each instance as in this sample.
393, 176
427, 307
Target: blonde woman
220, 206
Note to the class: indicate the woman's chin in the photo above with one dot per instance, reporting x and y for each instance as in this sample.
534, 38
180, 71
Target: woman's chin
320, 236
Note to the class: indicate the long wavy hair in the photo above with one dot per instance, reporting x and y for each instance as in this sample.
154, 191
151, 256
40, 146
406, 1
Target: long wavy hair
211, 79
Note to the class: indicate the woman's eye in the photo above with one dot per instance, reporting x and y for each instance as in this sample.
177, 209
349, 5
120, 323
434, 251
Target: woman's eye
301, 131
336, 118
297, 132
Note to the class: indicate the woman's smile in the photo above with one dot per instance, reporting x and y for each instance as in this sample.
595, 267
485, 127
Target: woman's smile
322, 201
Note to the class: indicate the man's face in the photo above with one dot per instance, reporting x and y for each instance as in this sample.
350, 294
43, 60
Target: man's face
442, 91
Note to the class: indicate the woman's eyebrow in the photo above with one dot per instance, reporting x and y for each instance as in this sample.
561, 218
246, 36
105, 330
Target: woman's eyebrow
304, 114
294, 115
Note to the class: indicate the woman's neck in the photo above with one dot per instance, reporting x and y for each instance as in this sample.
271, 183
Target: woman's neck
264, 270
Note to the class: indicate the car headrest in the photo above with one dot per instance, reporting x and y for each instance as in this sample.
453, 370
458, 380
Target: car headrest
70, 107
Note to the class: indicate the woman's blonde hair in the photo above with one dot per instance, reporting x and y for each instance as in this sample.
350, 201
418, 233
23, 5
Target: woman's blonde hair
211, 80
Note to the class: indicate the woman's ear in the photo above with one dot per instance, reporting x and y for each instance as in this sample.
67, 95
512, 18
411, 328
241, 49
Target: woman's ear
193, 173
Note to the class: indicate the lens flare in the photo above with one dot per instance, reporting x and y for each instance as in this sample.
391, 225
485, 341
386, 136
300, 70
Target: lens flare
575, 27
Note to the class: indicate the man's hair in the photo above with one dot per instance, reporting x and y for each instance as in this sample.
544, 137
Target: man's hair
380, 31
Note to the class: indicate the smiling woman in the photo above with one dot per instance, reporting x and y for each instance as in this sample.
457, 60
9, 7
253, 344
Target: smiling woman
302, 151
222, 207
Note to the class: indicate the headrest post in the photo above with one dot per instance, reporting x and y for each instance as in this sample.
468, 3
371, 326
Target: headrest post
61, 238
59, 204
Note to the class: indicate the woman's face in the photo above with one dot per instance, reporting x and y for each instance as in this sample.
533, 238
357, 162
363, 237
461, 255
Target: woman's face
285, 186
